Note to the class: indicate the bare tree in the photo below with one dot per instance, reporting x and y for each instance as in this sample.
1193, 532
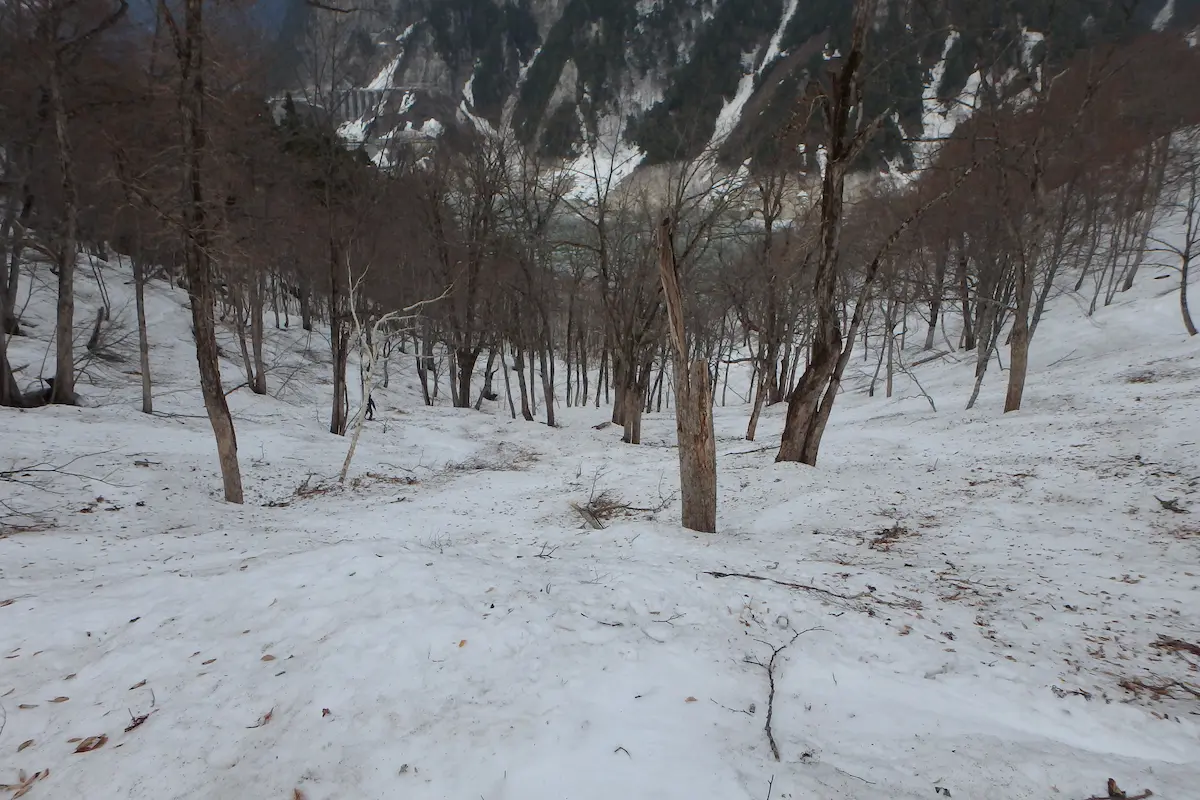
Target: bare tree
371, 335
693, 402
1180, 237
188, 41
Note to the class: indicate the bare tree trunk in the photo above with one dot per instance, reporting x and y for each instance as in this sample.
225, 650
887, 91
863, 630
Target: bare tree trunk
239, 320
547, 385
139, 289
196, 251
339, 339
63, 390
519, 368
583, 368
425, 360
618, 380
465, 359
259, 384
275, 298
935, 304
306, 321
1161, 153
93, 341
530, 375
10, 392
693, 405
964, 296
1184, 267
507, 383
487, 379
16, 246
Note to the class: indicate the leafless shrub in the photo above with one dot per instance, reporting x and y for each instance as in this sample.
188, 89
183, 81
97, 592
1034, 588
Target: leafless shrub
503, 458
605, 504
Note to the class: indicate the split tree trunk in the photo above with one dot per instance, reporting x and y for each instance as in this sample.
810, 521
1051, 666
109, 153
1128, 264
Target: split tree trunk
693, 404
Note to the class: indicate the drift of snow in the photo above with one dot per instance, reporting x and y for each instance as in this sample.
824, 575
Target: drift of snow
731, 111
1164, 16
777, 38
445, 627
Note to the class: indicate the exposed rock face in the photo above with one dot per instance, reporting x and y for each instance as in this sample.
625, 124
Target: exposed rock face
676, 76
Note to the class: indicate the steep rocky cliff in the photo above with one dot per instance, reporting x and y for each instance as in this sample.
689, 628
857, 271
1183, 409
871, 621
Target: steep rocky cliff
670, 77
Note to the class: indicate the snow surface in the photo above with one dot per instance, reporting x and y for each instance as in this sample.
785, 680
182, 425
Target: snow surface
445, 628
1163, 18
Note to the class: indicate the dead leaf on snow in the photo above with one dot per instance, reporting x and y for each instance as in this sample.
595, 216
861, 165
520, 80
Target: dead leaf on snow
74, 740
263, 720
137, 685
92, 743
690, 700
268, 657
462, 643
298, 795
206, 663
25, 783
325, 712
25, 744
27, 705
60, 700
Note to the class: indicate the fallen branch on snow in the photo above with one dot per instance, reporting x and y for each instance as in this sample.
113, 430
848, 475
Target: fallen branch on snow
845, 598
770, 668
1176, 645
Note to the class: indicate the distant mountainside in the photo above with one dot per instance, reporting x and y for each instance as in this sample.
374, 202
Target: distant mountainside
671, 77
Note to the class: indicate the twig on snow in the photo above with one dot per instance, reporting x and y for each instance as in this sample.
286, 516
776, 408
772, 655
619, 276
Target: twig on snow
817, 589
770, 669
1176, 645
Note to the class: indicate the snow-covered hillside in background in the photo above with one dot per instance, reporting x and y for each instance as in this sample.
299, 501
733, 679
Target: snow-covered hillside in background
445, 626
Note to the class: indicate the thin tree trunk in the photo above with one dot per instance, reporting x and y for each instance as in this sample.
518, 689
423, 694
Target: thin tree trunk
306, 321
196, 251
259, 384
139, 289
1184, 267
66, 246
547, 385
618, 380
519, 368
935, 304
93, 341
16, 247
275, 298
487, 379
529, 374
507, 383
964, 297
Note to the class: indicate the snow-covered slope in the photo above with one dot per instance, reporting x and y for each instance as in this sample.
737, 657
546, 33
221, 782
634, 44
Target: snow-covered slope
445, 627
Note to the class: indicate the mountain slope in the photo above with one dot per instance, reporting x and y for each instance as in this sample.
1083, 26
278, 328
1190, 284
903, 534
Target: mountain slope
446, 627
686, 73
